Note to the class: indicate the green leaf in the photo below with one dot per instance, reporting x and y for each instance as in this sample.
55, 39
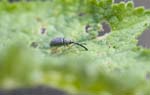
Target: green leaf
113, 64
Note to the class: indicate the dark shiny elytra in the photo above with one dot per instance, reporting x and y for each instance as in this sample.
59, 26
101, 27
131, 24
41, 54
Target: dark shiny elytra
60, 41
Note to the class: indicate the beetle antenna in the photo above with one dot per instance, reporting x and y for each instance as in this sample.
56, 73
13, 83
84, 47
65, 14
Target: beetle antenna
80, 45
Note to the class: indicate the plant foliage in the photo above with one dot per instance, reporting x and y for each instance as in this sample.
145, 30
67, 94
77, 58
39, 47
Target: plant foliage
113, 65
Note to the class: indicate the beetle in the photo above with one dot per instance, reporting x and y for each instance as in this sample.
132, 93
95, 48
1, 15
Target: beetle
60, 41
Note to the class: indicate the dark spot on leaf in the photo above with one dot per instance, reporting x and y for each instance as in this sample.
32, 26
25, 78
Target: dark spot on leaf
118, 1
147, 76
39, 90
43, 30
87, 28
144, 39
34, 44
105, 29
114, 47
81, 14
13, 1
